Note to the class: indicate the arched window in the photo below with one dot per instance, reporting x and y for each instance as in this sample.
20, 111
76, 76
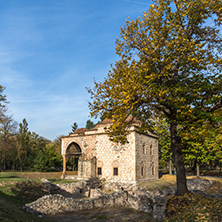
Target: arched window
99, 171
115, 165
151, 149
144, 148
99, 167
115, 171
142, 171
153, 170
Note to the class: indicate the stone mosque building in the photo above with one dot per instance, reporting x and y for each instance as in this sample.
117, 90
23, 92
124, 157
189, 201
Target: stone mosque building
99, 157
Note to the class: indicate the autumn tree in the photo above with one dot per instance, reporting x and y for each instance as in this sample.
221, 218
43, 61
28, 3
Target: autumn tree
170, 63
23, 139
7, 131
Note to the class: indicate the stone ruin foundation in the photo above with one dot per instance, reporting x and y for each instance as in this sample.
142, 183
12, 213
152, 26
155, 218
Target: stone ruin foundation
130, 196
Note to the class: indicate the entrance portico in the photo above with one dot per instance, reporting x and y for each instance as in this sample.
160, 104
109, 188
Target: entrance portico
73, 149
76, 145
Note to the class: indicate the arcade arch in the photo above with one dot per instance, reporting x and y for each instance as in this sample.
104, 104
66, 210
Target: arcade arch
72, 154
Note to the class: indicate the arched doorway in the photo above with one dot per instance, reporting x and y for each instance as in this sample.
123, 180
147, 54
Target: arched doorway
73, 152
71, 157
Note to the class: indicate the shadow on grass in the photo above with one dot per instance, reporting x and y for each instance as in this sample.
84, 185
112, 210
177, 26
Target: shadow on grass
8, 177
11, 210
28, 191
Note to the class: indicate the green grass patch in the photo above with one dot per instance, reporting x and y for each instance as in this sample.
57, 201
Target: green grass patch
60, 181
164, 183
11, 211
29, 175
14, 194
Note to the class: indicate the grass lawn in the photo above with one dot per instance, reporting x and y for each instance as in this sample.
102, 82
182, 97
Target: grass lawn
19, 188
15, 191
164, 183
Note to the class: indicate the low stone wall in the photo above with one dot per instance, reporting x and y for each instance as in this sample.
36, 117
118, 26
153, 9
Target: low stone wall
54, 204
199, 184
79, 187
215, 196
118, 186
153, 202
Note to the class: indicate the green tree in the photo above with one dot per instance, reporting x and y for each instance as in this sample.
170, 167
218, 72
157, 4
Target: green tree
202, 144
40, 161
43, 153
23, 139
36, 144
162, 129
89, 124
170, 64
74, 126
54, 158
2, 97
2, 103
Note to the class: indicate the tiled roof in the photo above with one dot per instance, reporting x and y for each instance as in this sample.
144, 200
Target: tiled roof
106, 121
129, 118
80, 130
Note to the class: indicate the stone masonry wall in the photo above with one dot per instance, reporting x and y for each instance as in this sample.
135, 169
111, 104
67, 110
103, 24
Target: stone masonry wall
132, 161
54, 204
112, 155
146, 157
87, 168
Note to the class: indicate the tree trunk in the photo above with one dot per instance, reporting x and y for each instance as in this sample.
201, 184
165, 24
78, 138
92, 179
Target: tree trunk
198, 169
194, 166
220, 166
178, 160
170, 166
165, 165
210, 165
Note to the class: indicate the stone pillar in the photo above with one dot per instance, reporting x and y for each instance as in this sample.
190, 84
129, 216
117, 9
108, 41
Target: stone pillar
86, 168
93, 167
64, 167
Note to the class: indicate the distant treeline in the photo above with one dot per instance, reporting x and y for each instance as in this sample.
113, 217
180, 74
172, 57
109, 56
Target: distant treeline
21, 149
24, 150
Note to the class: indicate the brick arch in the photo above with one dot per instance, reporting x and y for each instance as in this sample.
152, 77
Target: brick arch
99, 163
73, 149
70, 143
115, 163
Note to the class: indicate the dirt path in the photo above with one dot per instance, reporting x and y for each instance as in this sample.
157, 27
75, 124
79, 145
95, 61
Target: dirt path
102, 215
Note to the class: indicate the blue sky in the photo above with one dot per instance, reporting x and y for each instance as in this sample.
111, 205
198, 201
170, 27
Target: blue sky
50, 50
